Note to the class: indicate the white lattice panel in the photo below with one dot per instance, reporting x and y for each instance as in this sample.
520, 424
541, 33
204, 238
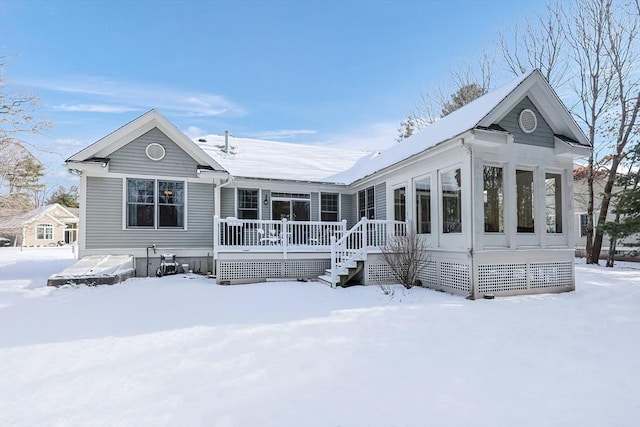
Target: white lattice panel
428, 274
379, 273
305, 268
234, 270
454, 276
502, 277
550, 274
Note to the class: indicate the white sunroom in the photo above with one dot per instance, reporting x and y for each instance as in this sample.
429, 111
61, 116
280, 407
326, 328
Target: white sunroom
489, 188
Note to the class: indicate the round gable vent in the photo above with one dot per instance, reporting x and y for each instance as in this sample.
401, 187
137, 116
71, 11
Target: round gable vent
155, 151
528, 121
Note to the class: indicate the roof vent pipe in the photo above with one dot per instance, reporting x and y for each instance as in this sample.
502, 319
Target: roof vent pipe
226, 141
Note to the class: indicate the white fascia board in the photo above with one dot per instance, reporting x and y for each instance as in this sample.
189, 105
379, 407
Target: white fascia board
429, 152
86, 166
138, 127
490, 138
573, 151
548, 103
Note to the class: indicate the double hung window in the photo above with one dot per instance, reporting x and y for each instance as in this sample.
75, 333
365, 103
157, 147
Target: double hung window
155, 203
366, 203
44, 232
248, 203
329, 207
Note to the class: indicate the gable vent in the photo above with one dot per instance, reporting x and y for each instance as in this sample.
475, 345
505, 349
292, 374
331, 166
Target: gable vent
155, 151
528, 121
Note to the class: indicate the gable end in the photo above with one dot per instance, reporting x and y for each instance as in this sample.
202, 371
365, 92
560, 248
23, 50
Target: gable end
133, 158
542, 136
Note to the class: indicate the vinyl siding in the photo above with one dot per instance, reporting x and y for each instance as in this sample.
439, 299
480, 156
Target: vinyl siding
541, 137
132, 158
266, 209
315, 206
348, 209
381, 201
227, 202
104, 223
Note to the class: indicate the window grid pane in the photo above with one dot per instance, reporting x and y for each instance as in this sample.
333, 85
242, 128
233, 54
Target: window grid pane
247, 204
171, 204
524, 200
451, 202
553, 200
493, 200
423, 206
328, 207
140, 202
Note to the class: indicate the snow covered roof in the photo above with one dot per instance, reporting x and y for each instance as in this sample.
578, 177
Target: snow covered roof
257, 158
484, 112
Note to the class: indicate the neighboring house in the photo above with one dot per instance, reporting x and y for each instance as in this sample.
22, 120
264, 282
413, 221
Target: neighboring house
489, 187
629, 246
44, 226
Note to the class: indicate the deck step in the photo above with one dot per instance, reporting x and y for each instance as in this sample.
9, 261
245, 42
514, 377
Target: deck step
326, 279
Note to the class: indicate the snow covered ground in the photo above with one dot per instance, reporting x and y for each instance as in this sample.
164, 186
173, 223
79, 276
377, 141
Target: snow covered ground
182, 351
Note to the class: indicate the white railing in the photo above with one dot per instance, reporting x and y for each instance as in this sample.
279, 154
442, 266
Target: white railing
274, 235
355, 243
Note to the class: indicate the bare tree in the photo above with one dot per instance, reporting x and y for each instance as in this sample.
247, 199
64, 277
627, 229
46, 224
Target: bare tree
20, 171
538, 43
406, 254
621, 125
469, 79
597, 41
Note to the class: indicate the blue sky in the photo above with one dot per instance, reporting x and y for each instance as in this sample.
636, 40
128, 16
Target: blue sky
327, 72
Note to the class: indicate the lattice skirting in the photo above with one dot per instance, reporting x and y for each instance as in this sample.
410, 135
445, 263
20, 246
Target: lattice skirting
523, 276
449, 276
245, 270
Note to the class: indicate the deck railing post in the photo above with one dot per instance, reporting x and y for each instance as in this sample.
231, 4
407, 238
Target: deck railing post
365, 229
334, 272
284, 237
216, 236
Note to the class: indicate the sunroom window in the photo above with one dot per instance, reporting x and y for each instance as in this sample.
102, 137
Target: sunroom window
451, 201
524, 201
399, 204
423, 205
493, 199
553, 200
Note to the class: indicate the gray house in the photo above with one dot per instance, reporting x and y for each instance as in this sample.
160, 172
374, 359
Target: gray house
489, 188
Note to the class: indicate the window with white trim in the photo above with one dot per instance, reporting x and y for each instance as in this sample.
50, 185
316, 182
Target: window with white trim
44, 232
493, 195
366, 203
450, 187
524, 201
584, 220
248, 203
329, 207
155, 203
423, 205
553, 202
